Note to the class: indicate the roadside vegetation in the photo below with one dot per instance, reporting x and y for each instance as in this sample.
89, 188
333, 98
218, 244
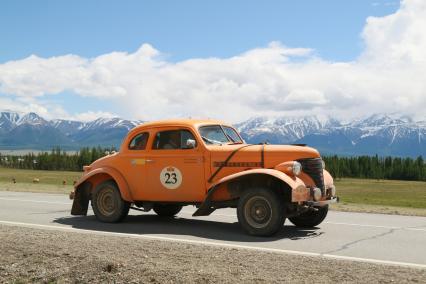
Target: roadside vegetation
44, 177
375, 167
410, 194
37, 181
55, 160
381, 196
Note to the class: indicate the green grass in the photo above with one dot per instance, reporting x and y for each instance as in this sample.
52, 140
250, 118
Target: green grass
45, 177
410, 194
50, 181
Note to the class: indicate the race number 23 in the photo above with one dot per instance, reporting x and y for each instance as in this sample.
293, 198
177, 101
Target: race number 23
171, 177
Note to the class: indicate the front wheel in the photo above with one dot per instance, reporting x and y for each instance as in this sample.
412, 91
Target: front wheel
260, 212
310, 219
167, 210
107, 203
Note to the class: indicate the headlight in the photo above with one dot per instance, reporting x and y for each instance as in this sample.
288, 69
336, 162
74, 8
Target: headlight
297, 168
317, 194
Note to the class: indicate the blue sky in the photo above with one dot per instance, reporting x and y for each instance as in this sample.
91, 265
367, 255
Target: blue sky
179, 31
183, 29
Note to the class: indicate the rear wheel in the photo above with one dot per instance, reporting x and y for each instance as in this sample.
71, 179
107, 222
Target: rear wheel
310, 219
167, 210
260, 212
107, 203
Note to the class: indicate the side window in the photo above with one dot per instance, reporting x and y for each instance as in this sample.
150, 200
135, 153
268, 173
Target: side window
139, 141
173, 139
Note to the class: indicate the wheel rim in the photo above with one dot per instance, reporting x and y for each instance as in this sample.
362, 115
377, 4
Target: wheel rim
106, 201
258, 212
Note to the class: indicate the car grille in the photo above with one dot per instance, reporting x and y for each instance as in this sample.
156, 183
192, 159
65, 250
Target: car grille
313, 168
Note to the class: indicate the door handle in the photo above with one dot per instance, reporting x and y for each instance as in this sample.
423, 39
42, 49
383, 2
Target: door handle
149, 161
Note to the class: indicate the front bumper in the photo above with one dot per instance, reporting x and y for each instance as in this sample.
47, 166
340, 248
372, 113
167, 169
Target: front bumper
322, 202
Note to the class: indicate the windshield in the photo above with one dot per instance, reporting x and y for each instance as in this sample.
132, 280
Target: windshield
217, 134
232, 134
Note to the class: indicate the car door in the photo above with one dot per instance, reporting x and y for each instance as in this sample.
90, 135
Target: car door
135, 159
176, 170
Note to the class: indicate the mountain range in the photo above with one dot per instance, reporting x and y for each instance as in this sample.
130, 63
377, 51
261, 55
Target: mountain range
31, 131
381, 134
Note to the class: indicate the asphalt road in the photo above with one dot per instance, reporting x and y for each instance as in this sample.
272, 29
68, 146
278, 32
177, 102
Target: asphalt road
386, 239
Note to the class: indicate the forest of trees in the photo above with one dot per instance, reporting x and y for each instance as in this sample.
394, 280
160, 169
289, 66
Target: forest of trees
372, 167
55, 160
375, 167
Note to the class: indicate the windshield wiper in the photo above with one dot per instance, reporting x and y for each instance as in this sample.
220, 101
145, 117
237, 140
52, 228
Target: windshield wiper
233, 141
211, 141
229, 137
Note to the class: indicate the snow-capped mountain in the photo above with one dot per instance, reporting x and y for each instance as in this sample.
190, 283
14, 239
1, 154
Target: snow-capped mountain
31, 131
8, 120
68, 127
382, 134
283, 129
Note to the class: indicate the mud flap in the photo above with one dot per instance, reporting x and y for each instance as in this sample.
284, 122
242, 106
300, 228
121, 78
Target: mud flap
205, 208
81, 200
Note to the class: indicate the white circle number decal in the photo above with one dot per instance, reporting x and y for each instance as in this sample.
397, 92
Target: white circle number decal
171, 177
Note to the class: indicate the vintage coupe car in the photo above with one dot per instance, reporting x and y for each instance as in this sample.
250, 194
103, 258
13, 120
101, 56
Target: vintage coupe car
165, 165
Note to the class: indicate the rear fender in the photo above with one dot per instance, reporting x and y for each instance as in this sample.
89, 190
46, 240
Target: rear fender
89, 181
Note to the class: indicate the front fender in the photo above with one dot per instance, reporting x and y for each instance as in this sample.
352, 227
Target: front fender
299, 192
328, 179
297, 186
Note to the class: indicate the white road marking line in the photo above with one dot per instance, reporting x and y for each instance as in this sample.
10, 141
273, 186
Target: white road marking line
36, 201
233, 216
376, 226
218, 244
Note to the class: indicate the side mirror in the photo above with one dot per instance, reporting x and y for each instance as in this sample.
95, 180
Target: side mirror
190, 144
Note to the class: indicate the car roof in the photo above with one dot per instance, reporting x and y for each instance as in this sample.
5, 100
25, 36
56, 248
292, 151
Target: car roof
179, 122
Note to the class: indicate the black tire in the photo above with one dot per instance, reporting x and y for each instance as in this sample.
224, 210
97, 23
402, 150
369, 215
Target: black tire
260, 212
107, 203
310, 219
167, 210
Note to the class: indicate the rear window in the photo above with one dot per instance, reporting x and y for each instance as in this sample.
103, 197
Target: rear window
139, 141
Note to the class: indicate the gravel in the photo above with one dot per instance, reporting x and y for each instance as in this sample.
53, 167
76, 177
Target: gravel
48, 256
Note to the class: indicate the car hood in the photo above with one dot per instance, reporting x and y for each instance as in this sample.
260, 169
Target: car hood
272, 154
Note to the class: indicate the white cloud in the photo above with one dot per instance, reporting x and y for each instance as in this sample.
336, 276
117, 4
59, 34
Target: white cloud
397, 38
28, 104
387, 77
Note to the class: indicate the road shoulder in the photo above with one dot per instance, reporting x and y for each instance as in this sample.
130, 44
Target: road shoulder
55, 256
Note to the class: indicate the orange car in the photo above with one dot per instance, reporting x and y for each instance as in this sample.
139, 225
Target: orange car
165, 165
